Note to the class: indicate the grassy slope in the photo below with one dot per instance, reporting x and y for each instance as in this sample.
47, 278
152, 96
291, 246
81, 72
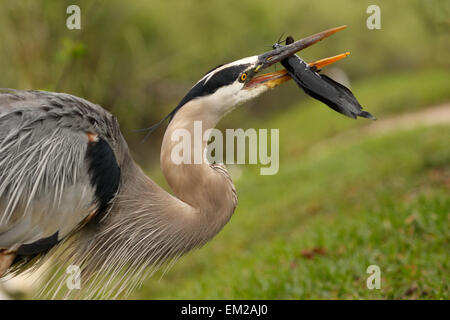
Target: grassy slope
381, 200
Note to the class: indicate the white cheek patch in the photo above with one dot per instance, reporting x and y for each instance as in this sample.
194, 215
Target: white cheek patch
225, 98
250, 93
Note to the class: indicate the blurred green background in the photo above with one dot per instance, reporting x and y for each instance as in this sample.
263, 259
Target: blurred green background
349, 193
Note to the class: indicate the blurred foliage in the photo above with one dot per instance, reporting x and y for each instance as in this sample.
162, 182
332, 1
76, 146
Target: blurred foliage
342, 200
138, 58
311, 231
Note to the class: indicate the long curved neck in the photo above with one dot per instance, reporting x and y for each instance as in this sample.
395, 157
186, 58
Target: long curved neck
204, 196
193, 180
146, 225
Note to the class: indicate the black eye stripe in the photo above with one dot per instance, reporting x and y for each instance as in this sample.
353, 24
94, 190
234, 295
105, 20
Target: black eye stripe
224, 77
209, 85
215, 68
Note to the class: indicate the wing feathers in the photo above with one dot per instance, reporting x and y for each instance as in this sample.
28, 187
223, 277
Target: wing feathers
45, 187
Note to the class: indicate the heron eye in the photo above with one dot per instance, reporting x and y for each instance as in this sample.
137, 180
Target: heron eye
243, 77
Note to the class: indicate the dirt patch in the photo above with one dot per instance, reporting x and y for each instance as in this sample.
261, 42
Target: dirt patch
431, 116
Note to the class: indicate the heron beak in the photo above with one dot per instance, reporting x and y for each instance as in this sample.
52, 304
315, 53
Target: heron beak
319, 64
271, 79
269, 58
276, 55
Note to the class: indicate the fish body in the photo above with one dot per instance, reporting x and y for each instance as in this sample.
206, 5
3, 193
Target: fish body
323, 88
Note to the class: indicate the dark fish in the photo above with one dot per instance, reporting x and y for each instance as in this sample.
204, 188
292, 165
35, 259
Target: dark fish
321, 87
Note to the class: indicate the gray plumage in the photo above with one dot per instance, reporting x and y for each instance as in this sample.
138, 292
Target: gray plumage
45, 188
42, 155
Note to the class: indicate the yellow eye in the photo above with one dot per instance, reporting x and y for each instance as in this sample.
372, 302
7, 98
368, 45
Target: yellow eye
243, 76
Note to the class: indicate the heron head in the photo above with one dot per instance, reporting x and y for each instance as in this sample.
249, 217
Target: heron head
228, 85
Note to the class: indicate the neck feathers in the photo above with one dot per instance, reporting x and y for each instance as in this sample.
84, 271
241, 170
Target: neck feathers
146, 226
206, 187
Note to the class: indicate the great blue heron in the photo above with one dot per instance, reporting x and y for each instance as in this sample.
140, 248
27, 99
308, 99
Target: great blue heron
66, 173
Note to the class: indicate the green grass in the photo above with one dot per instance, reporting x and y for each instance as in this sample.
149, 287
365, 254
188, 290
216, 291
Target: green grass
312, 230
383, 201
